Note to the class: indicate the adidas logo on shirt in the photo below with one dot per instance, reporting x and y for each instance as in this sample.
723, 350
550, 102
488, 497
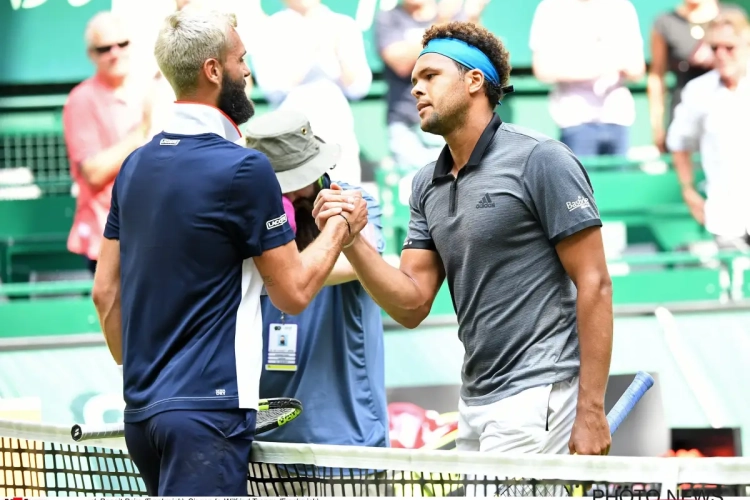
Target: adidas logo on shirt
485, 202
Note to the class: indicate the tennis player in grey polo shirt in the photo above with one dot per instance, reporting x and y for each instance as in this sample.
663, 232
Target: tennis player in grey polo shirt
508, 216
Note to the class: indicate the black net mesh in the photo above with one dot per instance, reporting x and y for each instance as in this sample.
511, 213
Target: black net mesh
35, 159
35, 468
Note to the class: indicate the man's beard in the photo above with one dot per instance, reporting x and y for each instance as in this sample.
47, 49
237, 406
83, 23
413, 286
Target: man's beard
234, 102
307, 230
443, 123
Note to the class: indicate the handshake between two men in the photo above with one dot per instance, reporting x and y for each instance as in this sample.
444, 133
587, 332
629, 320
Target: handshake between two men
404, 289
346, 207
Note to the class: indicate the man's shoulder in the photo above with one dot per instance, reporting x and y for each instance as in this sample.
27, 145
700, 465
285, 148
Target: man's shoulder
210, 147
82, 93
340, 20
521, 139
705, 83
545, 7
423, 176
623, 5
532, 146
229, 150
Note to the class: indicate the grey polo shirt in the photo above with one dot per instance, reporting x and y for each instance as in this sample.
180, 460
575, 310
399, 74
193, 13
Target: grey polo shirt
495, 227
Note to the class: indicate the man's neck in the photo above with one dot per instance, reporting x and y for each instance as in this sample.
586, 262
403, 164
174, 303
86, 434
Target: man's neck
198, 98
462, 141
114, 82
310, 11
733, 82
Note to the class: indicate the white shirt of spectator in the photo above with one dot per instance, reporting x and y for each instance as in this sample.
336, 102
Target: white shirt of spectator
290, 41
715, 121
576, 28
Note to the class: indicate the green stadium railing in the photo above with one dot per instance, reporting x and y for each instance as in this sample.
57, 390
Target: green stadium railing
649, 203
640, 282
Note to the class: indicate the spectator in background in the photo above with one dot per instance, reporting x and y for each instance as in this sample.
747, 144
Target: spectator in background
105, 118
313, 60
333, 359
676, 46
713, 117
399, 39
588, 49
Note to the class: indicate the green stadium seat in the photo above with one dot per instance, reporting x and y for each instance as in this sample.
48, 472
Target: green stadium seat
646, 201
33, 237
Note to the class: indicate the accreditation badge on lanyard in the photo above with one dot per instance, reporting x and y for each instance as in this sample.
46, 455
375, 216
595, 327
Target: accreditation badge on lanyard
282, 346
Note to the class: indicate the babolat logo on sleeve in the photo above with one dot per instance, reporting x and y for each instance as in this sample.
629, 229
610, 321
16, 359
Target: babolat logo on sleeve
581, 202
278, 221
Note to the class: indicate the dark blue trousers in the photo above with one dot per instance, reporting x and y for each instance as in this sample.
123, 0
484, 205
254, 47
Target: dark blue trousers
595, 139
193, 453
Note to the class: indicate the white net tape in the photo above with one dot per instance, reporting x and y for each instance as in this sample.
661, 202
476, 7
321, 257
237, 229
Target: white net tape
669, 472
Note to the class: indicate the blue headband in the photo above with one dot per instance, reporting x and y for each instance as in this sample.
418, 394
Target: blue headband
464, 54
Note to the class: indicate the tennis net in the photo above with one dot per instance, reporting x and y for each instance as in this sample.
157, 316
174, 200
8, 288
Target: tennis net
42, 460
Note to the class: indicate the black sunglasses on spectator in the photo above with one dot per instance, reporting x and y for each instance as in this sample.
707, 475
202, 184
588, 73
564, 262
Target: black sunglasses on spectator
106, 48
730, 48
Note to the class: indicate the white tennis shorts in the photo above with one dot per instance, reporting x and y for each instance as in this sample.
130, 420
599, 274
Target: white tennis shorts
538, 420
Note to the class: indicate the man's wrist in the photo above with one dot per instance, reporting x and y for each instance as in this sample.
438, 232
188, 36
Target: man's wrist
340, 228
590, 403
355, 240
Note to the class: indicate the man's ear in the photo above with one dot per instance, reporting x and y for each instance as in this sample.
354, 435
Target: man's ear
212, 70
475, 80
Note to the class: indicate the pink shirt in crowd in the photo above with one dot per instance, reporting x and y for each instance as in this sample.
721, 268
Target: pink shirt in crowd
95, 118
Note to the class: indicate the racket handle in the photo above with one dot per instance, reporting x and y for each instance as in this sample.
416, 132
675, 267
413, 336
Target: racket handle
80, 433
638, 387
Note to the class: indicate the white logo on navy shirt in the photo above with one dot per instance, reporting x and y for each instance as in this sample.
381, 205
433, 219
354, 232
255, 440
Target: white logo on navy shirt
169, 142
581, 202
278, 221
221, 392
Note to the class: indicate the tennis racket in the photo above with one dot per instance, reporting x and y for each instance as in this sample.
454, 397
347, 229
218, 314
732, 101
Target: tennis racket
272, 413
616, 416
620, 411
635, 391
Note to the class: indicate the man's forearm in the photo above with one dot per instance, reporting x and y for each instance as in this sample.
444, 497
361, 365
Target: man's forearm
595, 325
104, 166
655, 91
319, 258
342, 272
683, 165
110, 319
395, 292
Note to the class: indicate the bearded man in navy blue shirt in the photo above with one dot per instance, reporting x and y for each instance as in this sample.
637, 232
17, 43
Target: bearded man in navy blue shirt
196, 229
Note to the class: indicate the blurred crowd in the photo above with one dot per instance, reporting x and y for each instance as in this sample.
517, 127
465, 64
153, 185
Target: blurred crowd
308, 58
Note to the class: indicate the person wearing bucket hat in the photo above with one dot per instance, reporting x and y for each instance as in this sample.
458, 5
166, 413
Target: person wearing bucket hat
341, 330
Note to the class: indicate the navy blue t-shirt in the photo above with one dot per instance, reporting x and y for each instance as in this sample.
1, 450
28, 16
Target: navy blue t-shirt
190, 212
340, 377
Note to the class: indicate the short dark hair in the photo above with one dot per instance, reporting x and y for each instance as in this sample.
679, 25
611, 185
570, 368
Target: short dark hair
485, 41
